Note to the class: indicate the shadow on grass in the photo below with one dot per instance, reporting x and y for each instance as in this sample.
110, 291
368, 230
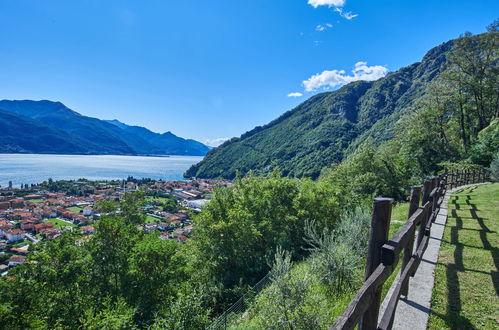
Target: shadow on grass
453, 317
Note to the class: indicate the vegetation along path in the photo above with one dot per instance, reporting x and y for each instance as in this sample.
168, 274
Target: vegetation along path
465, 295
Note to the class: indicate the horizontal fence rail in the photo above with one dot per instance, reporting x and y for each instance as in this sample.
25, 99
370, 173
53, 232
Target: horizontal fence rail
383, 253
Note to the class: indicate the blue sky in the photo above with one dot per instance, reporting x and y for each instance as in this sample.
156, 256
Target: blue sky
213, 69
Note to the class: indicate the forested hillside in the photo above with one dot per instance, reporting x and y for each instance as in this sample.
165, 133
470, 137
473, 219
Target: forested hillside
325, 128
67, 131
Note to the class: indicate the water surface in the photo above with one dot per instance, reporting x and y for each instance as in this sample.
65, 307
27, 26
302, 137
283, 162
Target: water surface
35, 168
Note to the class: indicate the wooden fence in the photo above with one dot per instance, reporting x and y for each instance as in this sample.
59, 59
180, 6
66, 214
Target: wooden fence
383, 254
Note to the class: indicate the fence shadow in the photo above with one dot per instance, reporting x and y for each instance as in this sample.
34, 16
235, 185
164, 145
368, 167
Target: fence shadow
453, 317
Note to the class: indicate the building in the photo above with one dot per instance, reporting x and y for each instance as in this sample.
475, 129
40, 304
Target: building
16, 260
15, 235
87, 211
88, 230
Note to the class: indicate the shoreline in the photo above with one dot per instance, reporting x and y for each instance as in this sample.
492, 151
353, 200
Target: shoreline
125, 155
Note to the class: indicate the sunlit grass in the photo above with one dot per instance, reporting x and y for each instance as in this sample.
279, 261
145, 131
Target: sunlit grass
465, 296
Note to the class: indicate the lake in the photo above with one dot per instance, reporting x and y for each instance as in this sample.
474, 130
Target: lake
35, 168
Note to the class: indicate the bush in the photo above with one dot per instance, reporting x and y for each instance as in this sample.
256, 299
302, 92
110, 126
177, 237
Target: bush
337, 255
494, 168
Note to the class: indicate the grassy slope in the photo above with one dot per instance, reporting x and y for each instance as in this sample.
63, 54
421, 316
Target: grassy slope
466, 277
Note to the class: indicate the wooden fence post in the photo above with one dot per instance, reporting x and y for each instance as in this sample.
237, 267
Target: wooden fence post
408, 250
380, 225
456, 179
426, 198
434, 198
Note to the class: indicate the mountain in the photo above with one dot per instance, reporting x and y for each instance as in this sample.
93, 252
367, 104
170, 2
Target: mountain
167, 143
324, 128
81, 134
41, 138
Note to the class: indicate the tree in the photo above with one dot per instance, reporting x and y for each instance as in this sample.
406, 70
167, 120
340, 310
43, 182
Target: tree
474, 69
155, 274
242, 226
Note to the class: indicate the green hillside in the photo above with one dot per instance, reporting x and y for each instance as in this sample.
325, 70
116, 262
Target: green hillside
321, 130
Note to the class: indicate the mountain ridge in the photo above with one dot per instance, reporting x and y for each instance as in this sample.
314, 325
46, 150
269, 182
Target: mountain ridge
323, 129
92, 135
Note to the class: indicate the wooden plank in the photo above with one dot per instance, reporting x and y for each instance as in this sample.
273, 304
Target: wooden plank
426, 191
380, 225
392, 248
424, 219
362, 300
413, 207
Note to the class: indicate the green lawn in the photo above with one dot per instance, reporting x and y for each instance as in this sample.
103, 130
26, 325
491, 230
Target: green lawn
36, 200
75, 209
150, 219
152, 199
466, 275
60, 223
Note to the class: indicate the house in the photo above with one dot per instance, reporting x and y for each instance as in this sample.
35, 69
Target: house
197, 203
164, 235
17, 203
181, 239
4, 205
178, 232
188, 230
87, 211
16, 260
4, 227
28, 225
44, 226
33, 196
15, 235
151, 227
18, 251
163, 226
88, 230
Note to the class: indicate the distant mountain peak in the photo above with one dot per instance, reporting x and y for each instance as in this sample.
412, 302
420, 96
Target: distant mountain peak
95, 135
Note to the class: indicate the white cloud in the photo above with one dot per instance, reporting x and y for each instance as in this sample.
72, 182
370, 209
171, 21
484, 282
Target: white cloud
329, 3
345, 14
295, 94
338, 7
323, 27
214, 142
332, 78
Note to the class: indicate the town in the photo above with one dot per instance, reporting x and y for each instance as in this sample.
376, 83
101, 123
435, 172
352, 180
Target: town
37, 212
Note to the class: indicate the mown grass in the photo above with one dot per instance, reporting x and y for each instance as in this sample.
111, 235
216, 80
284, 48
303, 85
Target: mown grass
60, 223
74, 209
150, 219
36, 201
465, 295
